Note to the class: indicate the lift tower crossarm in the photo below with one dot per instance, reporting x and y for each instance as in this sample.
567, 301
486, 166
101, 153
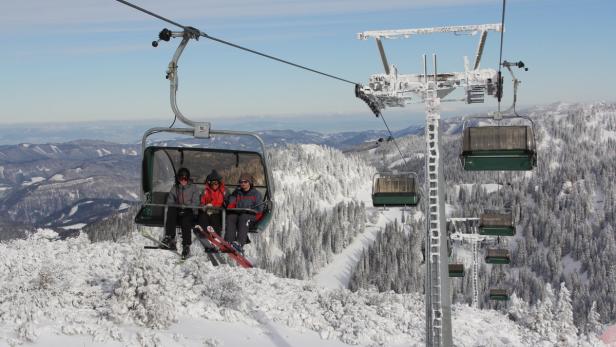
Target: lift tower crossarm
406, 33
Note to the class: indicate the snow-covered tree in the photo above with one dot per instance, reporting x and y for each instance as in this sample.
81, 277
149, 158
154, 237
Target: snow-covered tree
566, 330
593, 324
544, 322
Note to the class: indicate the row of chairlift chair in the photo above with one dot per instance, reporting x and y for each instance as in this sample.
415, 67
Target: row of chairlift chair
484, 148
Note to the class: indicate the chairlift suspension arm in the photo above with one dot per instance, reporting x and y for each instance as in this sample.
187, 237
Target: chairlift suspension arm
172, 73
516, 81
482, 42
379, 43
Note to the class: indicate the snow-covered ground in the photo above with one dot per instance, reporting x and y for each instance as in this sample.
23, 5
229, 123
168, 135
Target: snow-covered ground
489, 187
33, 180
74, 293
338, 273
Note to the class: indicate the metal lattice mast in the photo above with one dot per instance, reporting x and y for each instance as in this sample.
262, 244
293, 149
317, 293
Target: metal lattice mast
438, 316
474, 238
475, 273
396, 90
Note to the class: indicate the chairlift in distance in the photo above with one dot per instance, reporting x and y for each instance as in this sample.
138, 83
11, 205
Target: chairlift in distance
498, 256
497, 223
391, 189
500, 147
162, 160
499, 294
456, 270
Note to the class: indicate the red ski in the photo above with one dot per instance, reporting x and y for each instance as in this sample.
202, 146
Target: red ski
224, 246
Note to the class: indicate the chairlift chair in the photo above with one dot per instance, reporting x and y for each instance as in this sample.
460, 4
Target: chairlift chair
456, 270
494, 148
499, 294
162, 160
498, 256
394, 189
500, 147
497, 223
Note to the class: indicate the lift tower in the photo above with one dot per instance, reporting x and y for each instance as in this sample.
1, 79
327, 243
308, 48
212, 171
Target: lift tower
391, 89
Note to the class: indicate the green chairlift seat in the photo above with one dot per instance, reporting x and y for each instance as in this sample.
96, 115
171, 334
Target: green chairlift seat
394, 190
494, 148
496, 223
456, 270
498, 256
499, 294
160, 164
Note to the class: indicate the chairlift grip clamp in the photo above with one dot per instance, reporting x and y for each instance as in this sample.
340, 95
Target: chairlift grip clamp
167, 35
359, 93
164, 35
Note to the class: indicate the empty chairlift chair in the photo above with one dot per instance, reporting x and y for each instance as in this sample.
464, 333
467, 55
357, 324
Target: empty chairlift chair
496, 223
490, 148
456, 270
499, 294
394, 190
498, 256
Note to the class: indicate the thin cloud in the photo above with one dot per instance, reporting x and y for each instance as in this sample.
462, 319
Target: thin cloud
17, 15
97, 49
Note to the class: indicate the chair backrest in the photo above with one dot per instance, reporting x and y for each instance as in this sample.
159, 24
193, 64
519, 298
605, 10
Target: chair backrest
395, 184
161, 163
490, 138
496, 219
498, 253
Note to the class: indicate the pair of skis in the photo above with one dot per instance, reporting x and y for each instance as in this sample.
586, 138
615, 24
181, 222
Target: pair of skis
222, 246
160, 244
219, 244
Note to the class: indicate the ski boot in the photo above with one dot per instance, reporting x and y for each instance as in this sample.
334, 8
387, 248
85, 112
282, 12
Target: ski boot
185, 251
169, 242
238, 247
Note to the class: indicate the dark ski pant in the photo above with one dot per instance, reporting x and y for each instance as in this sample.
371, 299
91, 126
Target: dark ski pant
214, 220
185, 218
237, 227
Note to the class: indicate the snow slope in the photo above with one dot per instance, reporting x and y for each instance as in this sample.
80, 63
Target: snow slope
74, 293
336, 275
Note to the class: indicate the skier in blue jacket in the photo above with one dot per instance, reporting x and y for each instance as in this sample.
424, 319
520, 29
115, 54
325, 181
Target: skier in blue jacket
238, 223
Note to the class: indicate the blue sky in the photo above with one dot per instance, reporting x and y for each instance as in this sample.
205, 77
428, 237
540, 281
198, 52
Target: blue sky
69, 60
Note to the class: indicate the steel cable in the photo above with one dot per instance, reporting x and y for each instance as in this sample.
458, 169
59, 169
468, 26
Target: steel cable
201, 33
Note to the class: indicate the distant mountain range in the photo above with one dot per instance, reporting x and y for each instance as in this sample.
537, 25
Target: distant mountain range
71, 184
131, 131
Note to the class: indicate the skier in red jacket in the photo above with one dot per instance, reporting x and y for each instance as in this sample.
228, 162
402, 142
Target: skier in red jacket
213, 196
